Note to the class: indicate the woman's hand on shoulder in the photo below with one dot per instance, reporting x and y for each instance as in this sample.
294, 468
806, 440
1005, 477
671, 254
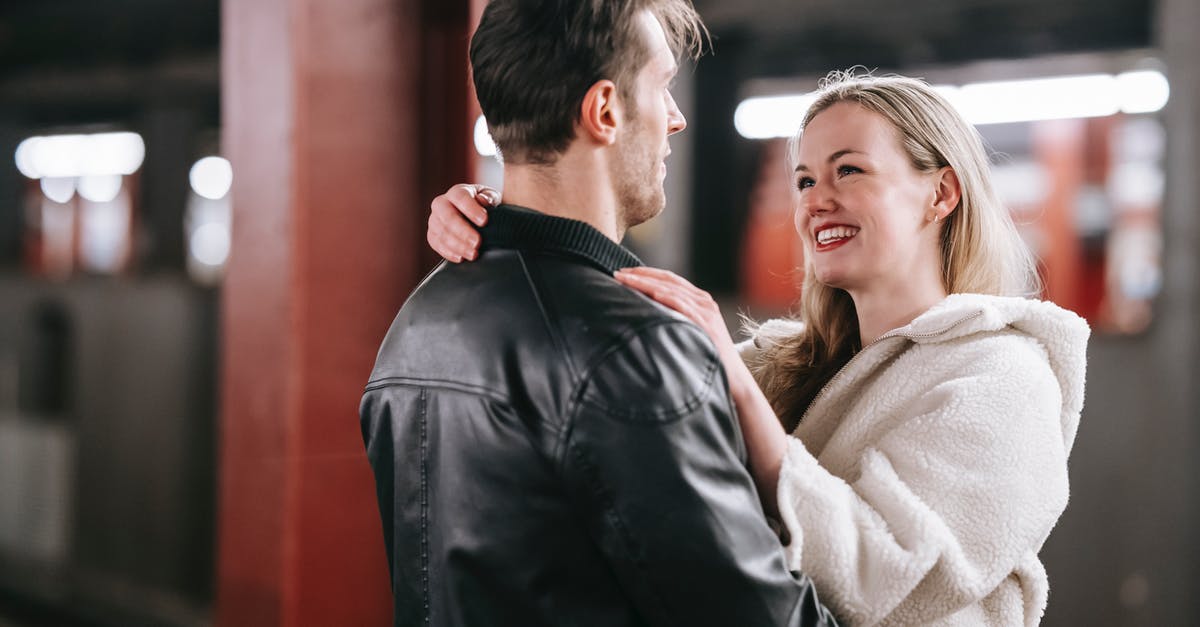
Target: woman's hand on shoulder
450, 233
679, 294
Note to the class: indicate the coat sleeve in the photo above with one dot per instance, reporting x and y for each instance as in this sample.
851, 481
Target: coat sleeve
945, 505
654, 462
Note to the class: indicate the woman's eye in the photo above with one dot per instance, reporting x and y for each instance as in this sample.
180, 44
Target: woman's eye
804, 183
847, 169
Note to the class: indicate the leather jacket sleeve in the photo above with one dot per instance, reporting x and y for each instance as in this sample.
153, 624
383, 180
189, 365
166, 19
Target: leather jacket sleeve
655, 461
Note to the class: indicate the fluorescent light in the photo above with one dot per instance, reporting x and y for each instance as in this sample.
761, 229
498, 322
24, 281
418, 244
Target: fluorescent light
211, 177
103, 188
1066, 97
997, 102
58, 189
69, 156
24, 157
771, 116
210, 243
483, 139
1143, 92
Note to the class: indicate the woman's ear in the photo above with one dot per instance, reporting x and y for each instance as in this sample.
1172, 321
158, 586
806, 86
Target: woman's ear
947, 193
600, 112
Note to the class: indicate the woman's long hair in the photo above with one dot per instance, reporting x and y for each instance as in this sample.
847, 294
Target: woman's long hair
981, 250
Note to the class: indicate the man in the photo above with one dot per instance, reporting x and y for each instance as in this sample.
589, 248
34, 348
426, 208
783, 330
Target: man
549, 447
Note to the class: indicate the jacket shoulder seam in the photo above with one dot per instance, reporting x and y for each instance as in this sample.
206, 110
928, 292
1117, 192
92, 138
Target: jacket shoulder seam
547, 319
444, 384
577, 400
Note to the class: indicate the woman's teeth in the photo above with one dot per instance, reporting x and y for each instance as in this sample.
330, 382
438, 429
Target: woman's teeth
836, 233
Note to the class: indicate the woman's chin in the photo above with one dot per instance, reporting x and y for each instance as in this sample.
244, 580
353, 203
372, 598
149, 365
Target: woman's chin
832, 279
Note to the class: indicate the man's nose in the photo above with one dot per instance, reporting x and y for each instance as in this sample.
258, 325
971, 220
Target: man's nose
675, 120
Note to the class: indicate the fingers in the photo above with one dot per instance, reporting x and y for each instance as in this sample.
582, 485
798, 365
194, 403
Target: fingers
449, 233
452, 226
487, 196
452, 247
693, 303
669, 278
465, 200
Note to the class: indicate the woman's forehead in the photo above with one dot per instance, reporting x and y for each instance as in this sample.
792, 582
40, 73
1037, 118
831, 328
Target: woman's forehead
845, 126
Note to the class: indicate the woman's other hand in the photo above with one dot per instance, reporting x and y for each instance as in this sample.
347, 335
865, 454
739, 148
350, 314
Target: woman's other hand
451, 216
765, 439
694, 303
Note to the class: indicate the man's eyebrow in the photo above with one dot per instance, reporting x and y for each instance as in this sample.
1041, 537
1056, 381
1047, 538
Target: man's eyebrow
834, 157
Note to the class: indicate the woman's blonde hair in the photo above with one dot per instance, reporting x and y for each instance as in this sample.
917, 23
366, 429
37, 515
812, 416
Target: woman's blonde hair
981, 249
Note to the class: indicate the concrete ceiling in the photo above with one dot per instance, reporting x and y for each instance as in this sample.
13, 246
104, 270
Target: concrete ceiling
801, 37
67, 59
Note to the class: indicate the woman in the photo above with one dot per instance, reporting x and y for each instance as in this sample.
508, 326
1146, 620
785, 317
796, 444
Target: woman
931, 407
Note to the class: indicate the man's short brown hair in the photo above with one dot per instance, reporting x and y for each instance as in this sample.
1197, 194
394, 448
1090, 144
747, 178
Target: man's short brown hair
533, 61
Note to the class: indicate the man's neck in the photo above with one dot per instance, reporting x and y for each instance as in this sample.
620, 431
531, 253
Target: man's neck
571, 188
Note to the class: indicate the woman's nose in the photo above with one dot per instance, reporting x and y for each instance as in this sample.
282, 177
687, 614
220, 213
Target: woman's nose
817, 199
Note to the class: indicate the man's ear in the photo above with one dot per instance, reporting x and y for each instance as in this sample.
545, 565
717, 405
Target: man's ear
601, 112
947, 193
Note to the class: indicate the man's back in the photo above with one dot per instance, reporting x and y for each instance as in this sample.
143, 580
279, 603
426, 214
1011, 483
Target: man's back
551, 448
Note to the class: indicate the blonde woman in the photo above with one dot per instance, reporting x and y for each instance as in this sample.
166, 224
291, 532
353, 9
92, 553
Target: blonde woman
911, 427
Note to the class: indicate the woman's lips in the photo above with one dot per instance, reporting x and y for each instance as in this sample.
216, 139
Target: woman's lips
832, 236
832, 245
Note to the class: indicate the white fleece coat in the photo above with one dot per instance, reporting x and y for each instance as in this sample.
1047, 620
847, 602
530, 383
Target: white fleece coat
924, 479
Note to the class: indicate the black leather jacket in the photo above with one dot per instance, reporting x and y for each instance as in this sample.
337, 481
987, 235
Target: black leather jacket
552, 448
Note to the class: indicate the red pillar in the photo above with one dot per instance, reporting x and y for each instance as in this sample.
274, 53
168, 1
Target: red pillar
326, 109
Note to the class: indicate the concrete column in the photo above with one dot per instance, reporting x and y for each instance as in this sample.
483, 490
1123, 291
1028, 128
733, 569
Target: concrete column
1125, 552
1178, 335
325, 105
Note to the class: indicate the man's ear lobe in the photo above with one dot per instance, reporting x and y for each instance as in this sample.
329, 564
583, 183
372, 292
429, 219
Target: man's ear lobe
600, 113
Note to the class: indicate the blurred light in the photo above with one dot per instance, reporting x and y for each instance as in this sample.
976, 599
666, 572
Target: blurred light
483, 139
100, 188
997, 102
210, 243
104, 234
58, 189
1136, 184
211, 177
113, 153
1141, 139
771, 116
1021, 184
25, 157
80, 155
1145, 91
58, 156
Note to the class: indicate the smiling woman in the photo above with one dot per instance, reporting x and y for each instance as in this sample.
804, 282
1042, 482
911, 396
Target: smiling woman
931, 404
931, 407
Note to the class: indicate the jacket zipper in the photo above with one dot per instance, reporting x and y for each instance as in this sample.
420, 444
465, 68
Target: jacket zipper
890, 334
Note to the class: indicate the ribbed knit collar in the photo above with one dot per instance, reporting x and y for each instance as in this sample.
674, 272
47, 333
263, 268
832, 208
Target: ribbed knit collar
511, 226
